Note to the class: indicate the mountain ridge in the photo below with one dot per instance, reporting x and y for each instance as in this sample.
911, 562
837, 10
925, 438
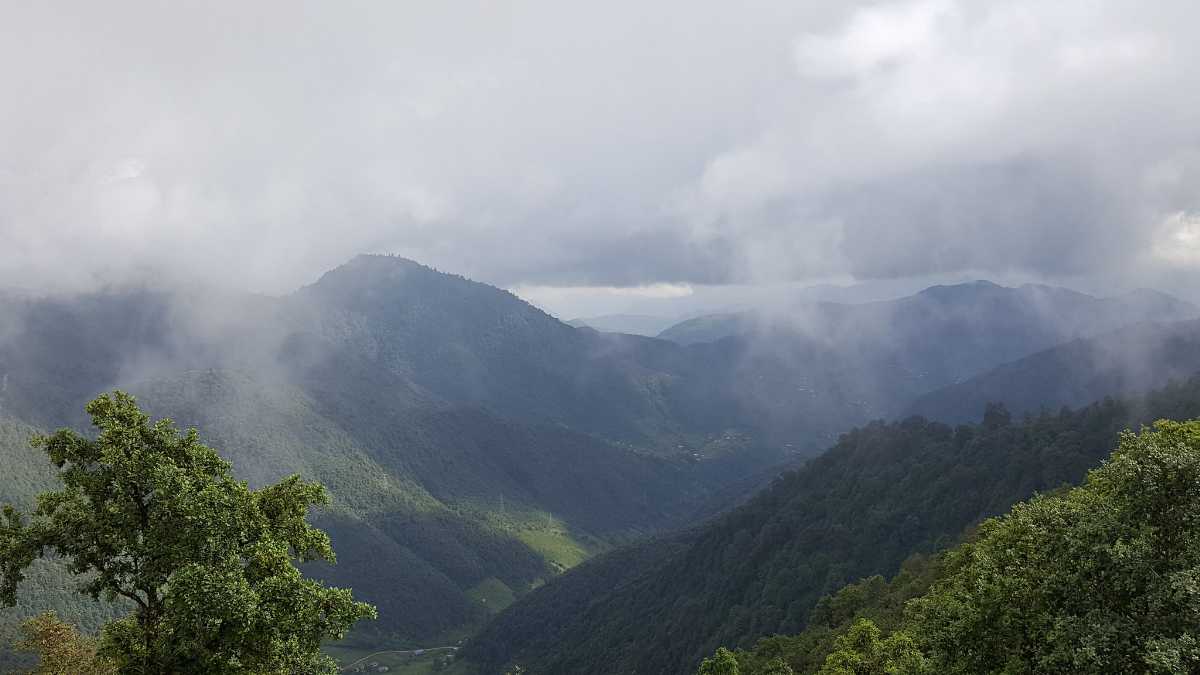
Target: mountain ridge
1126, 361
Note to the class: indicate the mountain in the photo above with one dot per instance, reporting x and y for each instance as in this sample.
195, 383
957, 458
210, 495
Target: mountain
818, 369
474, 446
473, 344
709, 327
632, 324
883, 493
1130, 360
1001, 320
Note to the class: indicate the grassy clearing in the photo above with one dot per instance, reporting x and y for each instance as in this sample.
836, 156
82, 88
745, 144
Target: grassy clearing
556, 545
493, 594
550, 537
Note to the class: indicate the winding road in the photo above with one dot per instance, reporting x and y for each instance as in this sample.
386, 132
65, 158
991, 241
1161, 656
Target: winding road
399, 652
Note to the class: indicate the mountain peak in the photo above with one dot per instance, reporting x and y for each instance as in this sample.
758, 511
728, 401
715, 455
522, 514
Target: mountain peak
421, 298
375, 264
965, 290
368, 276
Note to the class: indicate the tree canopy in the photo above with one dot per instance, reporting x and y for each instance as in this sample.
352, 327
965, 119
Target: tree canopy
863, 651
1104, 577
60, 648
153, 518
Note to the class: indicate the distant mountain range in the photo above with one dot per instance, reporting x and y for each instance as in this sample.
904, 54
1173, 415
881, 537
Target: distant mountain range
1031, 311
631, 324
1120, 363
476, 446
845, 364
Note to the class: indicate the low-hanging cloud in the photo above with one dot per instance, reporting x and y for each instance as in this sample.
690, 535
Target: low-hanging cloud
620, 144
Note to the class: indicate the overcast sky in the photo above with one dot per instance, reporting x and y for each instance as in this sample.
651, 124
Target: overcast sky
634, 149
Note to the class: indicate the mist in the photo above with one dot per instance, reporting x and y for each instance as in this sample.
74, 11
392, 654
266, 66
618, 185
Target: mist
536, 145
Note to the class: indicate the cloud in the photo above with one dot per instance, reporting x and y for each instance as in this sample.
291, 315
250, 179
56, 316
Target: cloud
874, 37
624, 144
1177, 240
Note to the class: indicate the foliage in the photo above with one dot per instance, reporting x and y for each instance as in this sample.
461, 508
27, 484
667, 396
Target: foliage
1103, 578
1099, 578
60, 649
861, 651
721, 663
777, 666
155, 517
874, 599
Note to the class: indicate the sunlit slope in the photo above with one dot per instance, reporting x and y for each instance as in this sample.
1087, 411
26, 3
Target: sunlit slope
429, 501
427, 504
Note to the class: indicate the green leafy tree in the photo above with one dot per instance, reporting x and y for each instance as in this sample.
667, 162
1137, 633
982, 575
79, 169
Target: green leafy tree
723, 662
154, 518
1105, 578
862, 651
776, 666
60, 648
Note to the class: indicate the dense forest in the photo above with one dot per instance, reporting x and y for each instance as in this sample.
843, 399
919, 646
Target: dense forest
876, 599
885, 492
1100, 578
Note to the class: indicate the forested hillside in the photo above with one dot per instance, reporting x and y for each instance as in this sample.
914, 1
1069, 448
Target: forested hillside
1098, 578
426, 507
883, 493
875, 599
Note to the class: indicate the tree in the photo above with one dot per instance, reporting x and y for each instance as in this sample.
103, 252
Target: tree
860, 651
996, 416
61, 649
156, 519
723, 662
776, 666
1105, 578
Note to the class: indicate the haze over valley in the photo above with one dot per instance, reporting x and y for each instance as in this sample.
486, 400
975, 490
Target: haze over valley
541, 338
